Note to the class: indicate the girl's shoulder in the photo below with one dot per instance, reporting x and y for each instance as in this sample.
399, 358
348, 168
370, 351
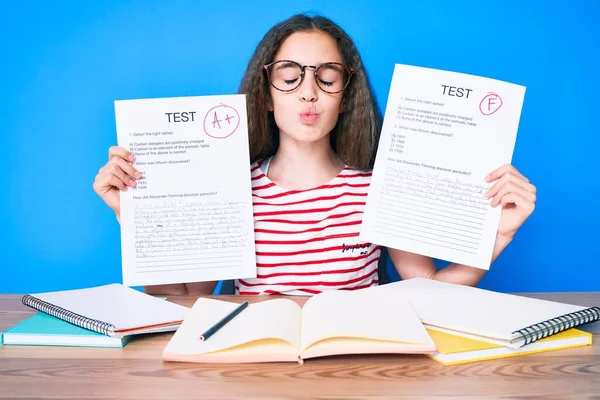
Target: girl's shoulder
355, 177
355, 173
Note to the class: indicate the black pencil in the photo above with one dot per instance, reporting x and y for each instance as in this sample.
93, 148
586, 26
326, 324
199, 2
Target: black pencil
211, 331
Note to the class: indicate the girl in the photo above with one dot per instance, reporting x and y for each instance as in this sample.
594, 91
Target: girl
314, 126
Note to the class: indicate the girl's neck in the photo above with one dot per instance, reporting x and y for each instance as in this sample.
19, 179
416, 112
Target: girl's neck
301, 165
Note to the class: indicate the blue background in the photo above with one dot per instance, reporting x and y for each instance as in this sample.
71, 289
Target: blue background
63, 65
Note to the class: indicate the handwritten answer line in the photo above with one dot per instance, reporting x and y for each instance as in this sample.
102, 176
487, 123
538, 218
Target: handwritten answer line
395, 172
235, 257
435, 188
433, 200
424, 197
204, 214
179, 204
198, 216
152, 238
183, 220
430, 194
195, 235
183, 269
184, 247
432, 190
214, 264
185, 250
217, 253
206, 231
191, 242
437, 185
167, 204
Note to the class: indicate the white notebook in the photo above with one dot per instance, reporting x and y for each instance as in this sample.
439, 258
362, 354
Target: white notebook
508, 320
114, 310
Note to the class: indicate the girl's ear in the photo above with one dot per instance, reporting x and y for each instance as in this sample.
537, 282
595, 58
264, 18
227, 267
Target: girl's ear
343, 105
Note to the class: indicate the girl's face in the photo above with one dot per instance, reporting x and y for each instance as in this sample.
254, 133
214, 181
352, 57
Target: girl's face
306, 114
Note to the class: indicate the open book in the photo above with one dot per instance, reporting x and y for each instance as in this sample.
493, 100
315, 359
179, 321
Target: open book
499, 318
113, 310
330, 323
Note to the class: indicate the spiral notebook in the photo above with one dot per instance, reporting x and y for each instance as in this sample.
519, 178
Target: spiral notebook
493, 317
113, 310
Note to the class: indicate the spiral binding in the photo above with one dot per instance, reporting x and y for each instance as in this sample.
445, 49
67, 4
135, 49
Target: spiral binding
555, 325
66, 315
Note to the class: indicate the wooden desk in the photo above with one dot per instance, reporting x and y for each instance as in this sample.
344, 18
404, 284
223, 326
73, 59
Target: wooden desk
137, 371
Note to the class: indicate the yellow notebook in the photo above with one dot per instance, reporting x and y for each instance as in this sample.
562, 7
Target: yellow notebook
454, 349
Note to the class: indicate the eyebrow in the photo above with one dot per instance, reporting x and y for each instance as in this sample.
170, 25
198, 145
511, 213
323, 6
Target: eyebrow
285, 65
329, 65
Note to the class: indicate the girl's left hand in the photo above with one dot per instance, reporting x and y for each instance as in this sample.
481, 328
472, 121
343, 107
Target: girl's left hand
516, 195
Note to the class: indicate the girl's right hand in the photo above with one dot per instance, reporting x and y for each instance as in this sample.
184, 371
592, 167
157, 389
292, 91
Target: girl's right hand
117, 174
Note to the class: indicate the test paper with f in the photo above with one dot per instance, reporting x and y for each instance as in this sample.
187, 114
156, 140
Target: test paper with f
443, 132
190, 217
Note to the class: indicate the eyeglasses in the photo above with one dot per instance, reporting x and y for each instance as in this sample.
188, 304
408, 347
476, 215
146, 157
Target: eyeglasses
287, 75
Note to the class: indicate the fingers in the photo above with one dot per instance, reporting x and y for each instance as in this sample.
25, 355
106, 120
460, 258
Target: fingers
122, 170
507, 168
116, 173
118, 166
510, 182
106, 182
118, 163
512, 187
116, 181
120, 152
524, 205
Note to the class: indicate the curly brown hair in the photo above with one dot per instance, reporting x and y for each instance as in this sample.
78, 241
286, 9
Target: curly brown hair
356, 133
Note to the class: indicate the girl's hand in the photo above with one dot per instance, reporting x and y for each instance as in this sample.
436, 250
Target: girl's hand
117, 174
516, 195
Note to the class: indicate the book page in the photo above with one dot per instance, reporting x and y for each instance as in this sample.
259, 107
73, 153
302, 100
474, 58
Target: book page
443, 132
271, 319
189, 219
361, 314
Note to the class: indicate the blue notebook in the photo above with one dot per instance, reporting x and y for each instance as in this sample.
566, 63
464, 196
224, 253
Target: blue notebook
46, 330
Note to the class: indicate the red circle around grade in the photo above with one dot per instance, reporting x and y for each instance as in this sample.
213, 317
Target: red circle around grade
221, 128
489, 112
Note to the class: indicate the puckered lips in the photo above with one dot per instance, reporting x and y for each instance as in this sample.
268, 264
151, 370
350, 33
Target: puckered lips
308, 116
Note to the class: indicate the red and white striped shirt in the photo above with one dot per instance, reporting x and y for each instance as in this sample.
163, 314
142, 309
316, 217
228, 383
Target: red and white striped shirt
307, 240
